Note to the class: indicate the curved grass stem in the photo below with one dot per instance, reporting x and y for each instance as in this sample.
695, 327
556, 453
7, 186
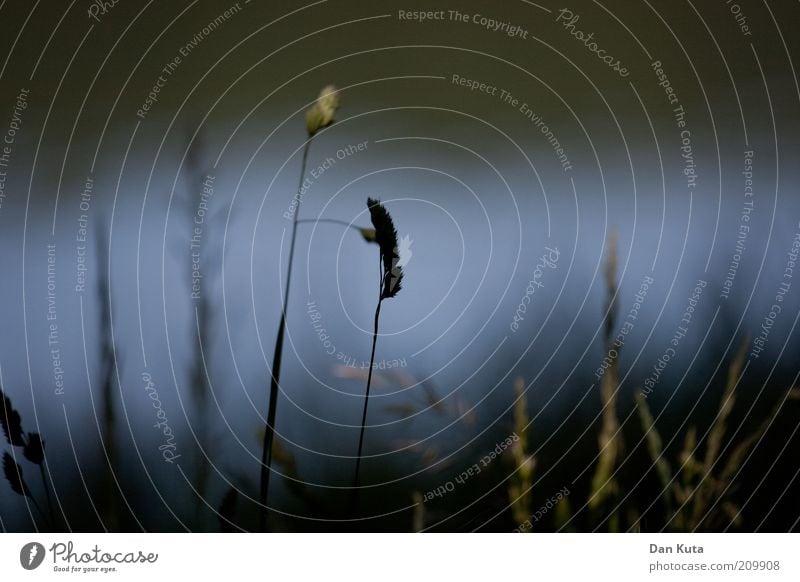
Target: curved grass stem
328, 220
269, 432
47, 491
369, 380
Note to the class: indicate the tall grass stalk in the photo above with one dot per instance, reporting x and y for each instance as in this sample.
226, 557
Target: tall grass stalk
369, 382
700, 496
604, 486
418, 519
202, 322
655, 448
109, 499
269, 433
521, 481
391, 277
320, 115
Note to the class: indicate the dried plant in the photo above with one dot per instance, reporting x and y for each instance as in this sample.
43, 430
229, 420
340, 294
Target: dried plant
702, 492
705, 489
451, 407
604, 486
320, 115
655, 448
386, 237
32, 447
12, 423
521, 480
323, 111
391, 278
562, 516
110, 496
704, 497
418, 523
13, 474
203, 320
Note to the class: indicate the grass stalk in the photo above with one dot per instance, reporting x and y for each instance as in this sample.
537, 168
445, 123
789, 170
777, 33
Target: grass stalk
269, 433
109, 500
521, 481
655, 449
328, 220
604, 485
47, 490
369, 378
391, 277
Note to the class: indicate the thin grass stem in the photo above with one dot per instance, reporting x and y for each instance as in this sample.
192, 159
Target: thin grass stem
45, 518
330, 220
369, 376
46, 489
269, 432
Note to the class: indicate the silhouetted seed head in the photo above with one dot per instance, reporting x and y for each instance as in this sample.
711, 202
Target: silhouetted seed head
322, 112
386, 237
13, 473
12, 424
34, 448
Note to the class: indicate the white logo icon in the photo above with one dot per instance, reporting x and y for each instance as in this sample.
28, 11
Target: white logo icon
31, 555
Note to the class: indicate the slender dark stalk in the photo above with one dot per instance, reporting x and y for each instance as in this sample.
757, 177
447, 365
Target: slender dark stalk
368, 234
331, 220
47, 491
109, 499
45, 518
269, 432
199, 366
366, 396
369, 377
391, 276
